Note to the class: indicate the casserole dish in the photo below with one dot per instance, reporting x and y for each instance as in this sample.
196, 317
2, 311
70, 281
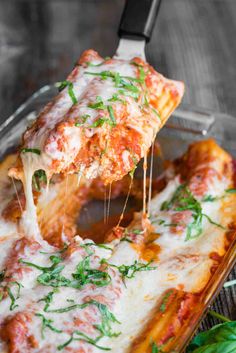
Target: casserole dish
187, 125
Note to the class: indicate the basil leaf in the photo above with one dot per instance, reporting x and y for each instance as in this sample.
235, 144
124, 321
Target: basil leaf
220, 339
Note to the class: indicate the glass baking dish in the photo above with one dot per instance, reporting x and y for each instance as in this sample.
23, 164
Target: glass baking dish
185, 126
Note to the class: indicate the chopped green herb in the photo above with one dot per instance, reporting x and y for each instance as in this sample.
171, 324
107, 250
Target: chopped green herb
80, 336
142, 74
107, 316
100, 122
231, 191
137, 231
118, 80
48, 299
47, 323
54, 259
85, 274
145, 99
125, 238
165, 301
183, 200
98, 105
32, 150
103, 246
131, 173
212, 222
134, 95
13, 297
111, 113
115, 98
128, 271
70, 86
209, 198
155, 348
107, 319
156, 112
134, 79
39, 178
83, 120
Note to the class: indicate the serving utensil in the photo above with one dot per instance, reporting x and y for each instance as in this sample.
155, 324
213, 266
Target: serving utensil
136, 26
135, 30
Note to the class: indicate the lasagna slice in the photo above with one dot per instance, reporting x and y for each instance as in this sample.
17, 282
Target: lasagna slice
102, 122
138, 288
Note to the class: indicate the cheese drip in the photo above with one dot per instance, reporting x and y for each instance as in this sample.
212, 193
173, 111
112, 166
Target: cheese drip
29, 221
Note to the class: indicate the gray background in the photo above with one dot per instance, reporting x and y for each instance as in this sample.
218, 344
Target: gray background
193, 41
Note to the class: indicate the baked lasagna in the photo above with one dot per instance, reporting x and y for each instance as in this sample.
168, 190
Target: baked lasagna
103, 121
139, 290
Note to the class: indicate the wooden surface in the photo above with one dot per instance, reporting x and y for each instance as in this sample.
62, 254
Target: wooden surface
193, 40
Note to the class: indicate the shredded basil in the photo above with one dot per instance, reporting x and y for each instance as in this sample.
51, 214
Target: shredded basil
103, 246
129, 271
100, 122
118, 80
154, 348
83, 120
165, 300
47, 323
32, 150
39, 177
13, 297
98, 104
70, 86
80, 336
111, 113
209, 198
107, 317
183, 200
84, 274
156, 113
231, 191
115, 98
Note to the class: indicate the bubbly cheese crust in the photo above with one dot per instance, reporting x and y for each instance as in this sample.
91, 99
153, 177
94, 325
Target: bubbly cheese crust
138, 287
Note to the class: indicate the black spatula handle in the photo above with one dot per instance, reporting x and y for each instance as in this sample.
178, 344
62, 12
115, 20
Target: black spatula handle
138, 19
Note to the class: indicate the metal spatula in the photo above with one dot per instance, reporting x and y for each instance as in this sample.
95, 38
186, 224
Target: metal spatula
136, 27
135, 30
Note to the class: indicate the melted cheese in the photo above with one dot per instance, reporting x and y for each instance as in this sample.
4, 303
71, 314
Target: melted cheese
181, 263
